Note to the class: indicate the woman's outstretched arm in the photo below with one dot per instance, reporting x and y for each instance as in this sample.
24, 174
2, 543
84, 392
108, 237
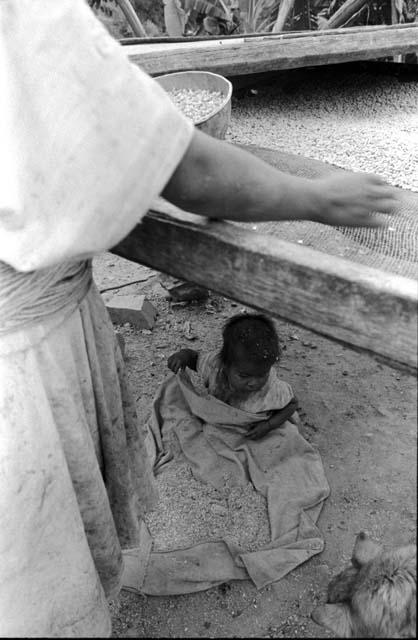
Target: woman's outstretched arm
220, 180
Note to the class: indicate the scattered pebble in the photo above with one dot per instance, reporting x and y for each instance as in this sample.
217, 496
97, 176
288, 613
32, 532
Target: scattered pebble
187, 331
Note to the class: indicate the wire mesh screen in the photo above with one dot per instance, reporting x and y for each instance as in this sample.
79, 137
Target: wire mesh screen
393, 248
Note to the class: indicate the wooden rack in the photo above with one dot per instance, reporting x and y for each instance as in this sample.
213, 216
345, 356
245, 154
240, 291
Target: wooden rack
364, 308
361, 307
245, 55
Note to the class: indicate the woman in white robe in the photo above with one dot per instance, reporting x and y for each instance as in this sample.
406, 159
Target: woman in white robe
87, 141
76, 156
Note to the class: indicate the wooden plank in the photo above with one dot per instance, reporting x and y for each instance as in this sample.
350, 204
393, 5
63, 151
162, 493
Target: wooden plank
361, 307
155, 40
241, 56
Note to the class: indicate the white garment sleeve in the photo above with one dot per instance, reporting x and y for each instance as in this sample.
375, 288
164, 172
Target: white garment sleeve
92, 139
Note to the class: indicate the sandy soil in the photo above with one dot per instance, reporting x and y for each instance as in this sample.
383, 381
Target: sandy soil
359, 413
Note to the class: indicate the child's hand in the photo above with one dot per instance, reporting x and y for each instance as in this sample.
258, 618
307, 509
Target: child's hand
277, 420
259, 430
182, 359
349, 198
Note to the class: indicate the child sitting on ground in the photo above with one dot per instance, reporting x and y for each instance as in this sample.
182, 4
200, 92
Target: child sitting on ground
241, 374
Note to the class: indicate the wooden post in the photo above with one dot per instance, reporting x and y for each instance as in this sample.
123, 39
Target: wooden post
395, 20
285, 9
174, 18
132, 18
343, 14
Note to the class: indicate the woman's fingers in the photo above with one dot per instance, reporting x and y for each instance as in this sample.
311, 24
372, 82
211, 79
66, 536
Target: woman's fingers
383, 191
384, 203
350, 199
365, 219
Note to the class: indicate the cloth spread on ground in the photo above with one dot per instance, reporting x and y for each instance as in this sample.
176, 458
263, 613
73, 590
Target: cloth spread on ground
283, 467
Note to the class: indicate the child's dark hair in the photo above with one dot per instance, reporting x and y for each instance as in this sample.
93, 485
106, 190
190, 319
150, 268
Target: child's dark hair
255, 333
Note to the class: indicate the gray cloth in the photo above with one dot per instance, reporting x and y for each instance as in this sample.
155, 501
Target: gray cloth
283, 467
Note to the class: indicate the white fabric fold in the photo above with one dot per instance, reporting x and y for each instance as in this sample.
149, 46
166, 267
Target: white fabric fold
95, 137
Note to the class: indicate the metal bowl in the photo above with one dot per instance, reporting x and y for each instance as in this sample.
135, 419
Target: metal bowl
215, 123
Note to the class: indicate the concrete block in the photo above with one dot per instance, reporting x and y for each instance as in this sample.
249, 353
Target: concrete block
136, 310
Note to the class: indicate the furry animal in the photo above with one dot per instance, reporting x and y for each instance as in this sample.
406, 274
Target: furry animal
375, 597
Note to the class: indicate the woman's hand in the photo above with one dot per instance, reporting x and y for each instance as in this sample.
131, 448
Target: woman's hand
237, 185
348, 199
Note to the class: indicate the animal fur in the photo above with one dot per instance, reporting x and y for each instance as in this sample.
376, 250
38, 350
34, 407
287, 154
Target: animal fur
375, 597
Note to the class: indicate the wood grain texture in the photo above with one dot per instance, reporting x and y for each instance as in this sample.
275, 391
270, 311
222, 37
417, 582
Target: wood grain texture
361, 307
241, 56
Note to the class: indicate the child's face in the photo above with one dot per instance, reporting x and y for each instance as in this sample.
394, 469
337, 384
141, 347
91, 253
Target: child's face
245, 376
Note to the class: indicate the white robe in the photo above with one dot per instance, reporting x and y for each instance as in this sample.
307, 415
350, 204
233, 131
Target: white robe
88, 141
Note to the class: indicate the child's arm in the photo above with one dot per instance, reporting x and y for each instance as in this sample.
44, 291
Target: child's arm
182, 359
219, 180
261, 429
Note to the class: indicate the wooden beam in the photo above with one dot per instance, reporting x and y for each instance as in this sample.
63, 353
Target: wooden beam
307, 33
361, 307
242, 56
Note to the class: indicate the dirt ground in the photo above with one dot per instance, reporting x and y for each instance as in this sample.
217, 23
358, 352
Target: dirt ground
360, 414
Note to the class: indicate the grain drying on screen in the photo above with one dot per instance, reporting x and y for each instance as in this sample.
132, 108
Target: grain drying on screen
354, 120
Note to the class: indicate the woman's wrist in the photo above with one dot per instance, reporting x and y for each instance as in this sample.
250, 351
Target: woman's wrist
301, 199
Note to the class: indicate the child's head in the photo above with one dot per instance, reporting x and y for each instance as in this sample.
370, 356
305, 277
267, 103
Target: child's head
250, 348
